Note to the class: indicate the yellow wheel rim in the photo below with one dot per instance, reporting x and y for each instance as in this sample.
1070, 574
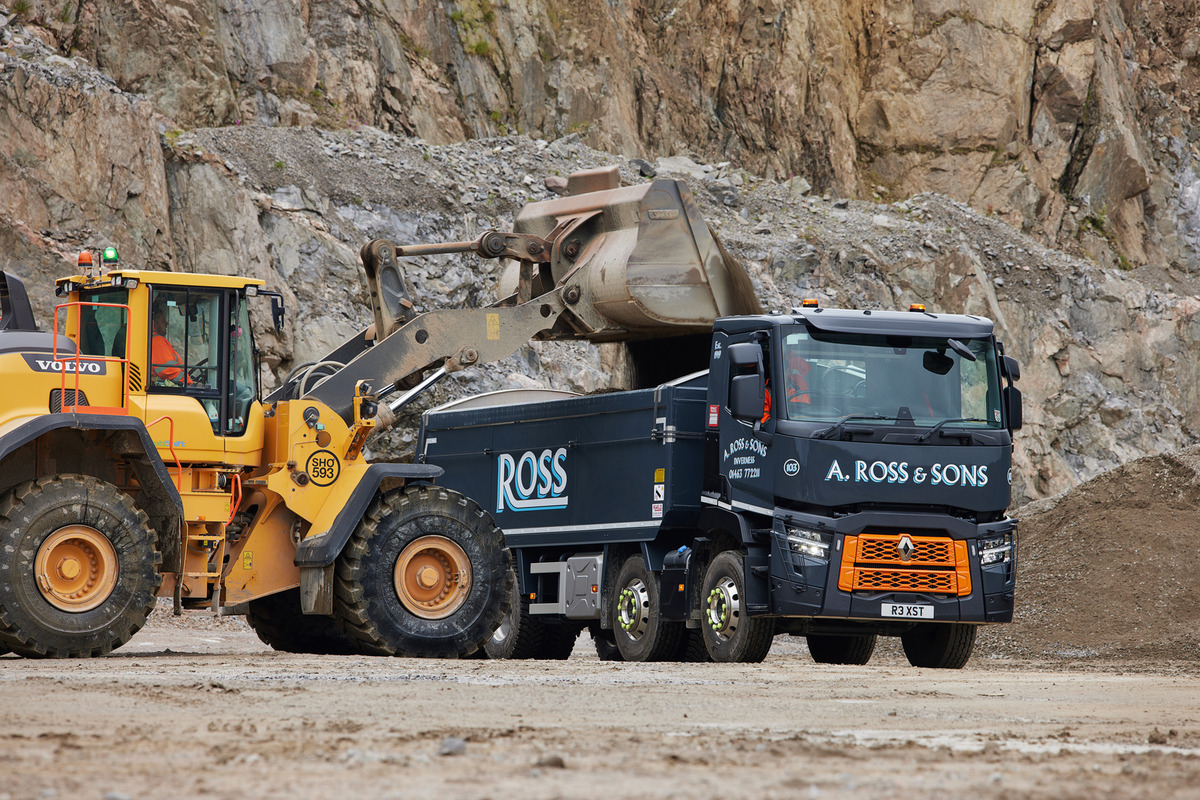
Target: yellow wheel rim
432, 577
76, 568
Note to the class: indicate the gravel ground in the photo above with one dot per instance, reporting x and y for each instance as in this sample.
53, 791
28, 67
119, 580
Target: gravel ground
195, 706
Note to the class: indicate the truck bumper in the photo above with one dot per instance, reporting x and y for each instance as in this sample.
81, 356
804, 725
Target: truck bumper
892, 568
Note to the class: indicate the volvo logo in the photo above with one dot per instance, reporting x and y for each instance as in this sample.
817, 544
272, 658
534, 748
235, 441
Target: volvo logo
906, 548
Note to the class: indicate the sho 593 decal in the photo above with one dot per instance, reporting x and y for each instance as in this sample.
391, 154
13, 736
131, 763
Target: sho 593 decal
323, 467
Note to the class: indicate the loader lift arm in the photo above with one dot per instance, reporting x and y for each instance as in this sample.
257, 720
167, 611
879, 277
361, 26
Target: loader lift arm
605, 263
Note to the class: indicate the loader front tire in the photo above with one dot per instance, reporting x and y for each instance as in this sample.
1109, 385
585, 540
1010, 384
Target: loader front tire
78, 568
425, 574
281, 625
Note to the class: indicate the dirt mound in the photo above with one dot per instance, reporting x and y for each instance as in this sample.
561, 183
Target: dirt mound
1111, 569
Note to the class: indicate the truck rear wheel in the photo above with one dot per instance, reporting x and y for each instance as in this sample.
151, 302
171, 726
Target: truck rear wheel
692, 648
522, 635
944, 645
424, 574
828, 649
78, 568
638, 627
605, 642
730, 634
281, 625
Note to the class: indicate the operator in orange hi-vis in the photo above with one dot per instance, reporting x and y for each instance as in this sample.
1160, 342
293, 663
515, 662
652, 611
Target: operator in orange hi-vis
165, 361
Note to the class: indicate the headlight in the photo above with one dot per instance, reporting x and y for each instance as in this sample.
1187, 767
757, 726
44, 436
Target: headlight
995, 549
809, 543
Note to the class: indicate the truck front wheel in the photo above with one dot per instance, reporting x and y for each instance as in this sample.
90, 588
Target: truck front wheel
730, 634
841, 649
425, 574
641, 632
78, 568
945, 645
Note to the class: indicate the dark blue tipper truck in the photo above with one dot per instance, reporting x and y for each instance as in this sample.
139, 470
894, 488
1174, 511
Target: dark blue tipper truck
835, 474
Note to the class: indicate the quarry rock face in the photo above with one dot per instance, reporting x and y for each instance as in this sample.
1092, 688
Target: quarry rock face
1025, 109
1033, 162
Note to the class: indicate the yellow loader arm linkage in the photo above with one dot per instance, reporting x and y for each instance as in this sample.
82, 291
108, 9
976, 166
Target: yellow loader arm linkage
605, 263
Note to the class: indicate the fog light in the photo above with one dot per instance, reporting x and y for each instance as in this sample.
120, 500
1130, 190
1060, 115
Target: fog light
808, 543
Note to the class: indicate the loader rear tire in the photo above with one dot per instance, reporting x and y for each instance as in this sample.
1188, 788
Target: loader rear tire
78, 568
425, 574
523, 636
638, 627
829, 649
281, 625
939, 645
730, 633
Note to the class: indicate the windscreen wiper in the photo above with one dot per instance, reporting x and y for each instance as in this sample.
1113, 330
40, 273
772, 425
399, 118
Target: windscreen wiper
828, 432
929, 433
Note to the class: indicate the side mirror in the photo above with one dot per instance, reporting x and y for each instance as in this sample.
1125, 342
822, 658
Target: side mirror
1011, 397
277, 312
744, 356
747, 397
1012, 368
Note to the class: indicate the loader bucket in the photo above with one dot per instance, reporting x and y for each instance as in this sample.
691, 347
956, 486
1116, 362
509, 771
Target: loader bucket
643, 256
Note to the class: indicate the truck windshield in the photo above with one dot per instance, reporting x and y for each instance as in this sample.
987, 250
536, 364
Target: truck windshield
928, 380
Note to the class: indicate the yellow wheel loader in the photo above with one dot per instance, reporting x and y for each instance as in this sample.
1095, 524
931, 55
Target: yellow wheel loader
139, 460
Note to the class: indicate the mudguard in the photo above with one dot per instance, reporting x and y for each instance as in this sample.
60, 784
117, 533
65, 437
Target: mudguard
323, 549
162, 488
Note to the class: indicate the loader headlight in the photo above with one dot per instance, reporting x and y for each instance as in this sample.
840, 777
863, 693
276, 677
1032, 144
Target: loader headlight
808, 543
995, 549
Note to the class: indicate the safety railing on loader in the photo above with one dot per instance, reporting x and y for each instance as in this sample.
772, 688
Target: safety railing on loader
80, 360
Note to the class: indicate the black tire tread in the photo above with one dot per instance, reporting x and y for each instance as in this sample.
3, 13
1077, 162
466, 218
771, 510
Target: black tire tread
946, 645
829, 649
533, 636
692, 649
605, 644
90, 492
280, 625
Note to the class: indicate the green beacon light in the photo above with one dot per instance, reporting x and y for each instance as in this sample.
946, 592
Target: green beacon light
109, 256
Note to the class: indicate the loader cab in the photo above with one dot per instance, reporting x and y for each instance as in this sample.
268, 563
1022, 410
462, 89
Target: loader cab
201, 347
191, 367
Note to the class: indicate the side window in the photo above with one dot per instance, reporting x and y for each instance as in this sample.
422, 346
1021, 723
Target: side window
185, 346
243, 378
102, 327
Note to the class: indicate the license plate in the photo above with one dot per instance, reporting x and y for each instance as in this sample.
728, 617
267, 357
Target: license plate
907, 611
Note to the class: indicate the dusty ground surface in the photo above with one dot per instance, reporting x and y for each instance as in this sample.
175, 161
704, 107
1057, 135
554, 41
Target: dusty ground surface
197, 707
1092, 692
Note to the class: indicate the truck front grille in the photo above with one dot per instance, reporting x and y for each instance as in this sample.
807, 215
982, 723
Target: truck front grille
878, 563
